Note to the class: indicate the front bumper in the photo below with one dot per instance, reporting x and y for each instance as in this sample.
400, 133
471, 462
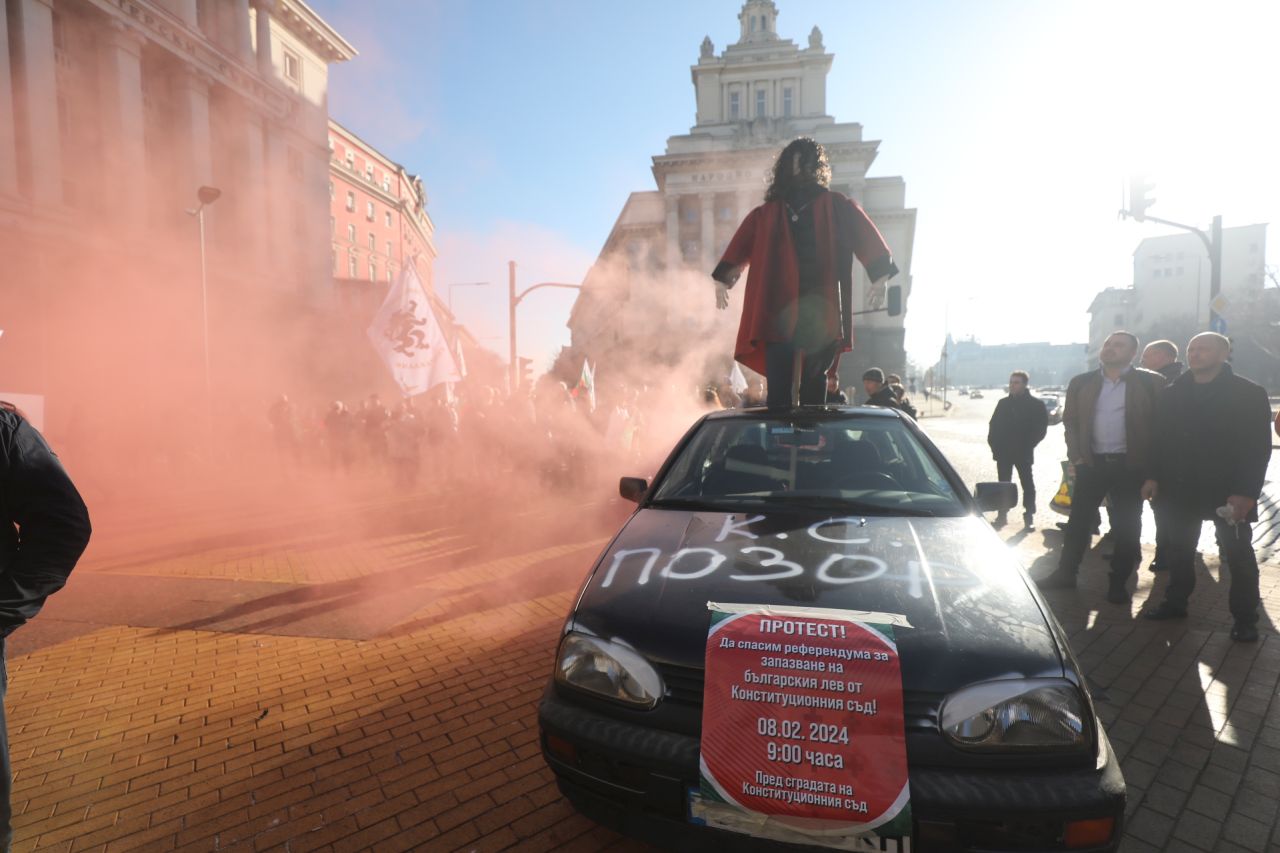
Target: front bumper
636, 779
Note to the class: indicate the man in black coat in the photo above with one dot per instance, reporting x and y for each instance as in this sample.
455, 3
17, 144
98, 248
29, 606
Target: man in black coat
880, 394
1162, 357
1210, 461
44, 531
1017, 426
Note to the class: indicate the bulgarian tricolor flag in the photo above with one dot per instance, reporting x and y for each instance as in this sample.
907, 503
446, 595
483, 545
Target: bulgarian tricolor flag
586, 386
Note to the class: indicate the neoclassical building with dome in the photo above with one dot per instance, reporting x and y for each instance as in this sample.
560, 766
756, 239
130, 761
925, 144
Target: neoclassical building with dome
640, 305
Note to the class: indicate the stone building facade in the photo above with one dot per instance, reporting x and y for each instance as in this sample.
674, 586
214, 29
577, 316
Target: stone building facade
649, 294
113, 113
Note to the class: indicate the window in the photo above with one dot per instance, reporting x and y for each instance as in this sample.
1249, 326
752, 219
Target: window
759, 103
388, 220
331, 189
389, 255
368, 172
390, 272
786, 101
351, 264
373, 270
330, 146
351, 233
753, 23
351, 160
351, 201
386, 183
735, 108
369, 211
373, 242
292, 67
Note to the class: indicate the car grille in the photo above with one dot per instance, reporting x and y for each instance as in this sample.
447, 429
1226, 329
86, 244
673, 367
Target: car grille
684, 687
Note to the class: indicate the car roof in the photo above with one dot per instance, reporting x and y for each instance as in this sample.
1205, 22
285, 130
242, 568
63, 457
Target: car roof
758, 412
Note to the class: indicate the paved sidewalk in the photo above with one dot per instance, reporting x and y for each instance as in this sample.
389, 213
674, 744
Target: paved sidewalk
368, 680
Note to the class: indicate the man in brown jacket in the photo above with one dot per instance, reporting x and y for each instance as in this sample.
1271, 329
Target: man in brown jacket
1109, 421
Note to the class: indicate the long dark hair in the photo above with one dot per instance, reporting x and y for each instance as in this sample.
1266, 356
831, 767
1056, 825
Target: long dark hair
803, 163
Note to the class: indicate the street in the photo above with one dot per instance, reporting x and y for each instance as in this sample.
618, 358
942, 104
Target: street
312, 675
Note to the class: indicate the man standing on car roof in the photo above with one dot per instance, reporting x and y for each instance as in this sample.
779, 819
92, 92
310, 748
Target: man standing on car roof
797, 314
1109, 422
1211, 458
44, 531
1019, 423
1162, 357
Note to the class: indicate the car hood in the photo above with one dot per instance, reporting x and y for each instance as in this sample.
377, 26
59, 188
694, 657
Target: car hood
973, 616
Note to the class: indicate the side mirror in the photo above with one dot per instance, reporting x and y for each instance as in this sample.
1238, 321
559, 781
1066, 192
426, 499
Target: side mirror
633, 488
894, 297
995, 497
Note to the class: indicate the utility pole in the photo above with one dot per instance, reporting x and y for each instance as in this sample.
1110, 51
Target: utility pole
1139, 201
511, 321
513, 300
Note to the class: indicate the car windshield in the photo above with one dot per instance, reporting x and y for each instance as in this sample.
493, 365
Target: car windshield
868, 465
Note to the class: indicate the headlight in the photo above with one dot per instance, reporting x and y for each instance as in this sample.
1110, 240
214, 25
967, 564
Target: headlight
608, 669
1016, 715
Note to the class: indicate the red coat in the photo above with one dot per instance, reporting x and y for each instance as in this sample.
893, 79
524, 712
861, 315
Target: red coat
763, 242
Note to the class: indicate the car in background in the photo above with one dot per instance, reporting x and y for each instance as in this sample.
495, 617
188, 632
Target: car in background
975, 394
1003, 747
1052, 405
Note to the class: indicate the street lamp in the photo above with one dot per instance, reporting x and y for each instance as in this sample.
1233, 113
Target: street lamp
513, 299
206, 196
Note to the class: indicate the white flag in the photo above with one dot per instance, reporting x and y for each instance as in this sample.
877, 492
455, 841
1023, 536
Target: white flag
407, 335
737, 381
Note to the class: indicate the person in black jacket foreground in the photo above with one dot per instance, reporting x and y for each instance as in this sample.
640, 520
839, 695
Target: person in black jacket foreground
1211, 453
45, 530
1018, 424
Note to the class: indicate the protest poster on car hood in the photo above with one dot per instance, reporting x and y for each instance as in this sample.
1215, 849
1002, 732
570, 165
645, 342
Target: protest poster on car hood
802, 726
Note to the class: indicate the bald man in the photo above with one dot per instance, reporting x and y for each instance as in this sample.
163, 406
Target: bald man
1211, 451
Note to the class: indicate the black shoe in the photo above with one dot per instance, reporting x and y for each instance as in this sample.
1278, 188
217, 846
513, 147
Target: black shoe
1165, 611
1118, 594
1001, 520
1028, 521
1157, 568
1058, 579
1106, 537
1243, 633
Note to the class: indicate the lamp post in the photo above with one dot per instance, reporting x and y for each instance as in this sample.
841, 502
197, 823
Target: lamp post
206, 196
513, 299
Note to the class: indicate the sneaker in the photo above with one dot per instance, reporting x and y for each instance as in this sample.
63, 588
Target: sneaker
1165, 610
1028, 521
1243, 633
1059, 579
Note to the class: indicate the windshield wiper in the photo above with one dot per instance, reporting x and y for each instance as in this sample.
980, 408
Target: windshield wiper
710, 504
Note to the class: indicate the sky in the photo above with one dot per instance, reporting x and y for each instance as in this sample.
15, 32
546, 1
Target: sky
1014, 124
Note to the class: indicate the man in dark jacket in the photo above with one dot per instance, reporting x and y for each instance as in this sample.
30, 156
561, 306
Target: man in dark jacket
1017, 426
1211, 458
44, 531
880, 394
1162, 357
1109, 422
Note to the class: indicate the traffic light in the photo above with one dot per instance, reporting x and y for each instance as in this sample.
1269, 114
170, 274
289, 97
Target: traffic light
524, 376
1139, 198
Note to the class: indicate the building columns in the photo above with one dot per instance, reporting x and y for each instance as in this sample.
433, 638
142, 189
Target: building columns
123, 125
673, 231
262, 30
38, 135
194, 146
241, 32
707, 238
8, 136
